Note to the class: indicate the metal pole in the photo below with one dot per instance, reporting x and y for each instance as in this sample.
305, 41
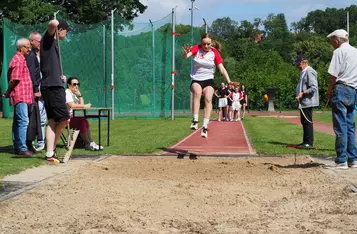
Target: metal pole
104, 69
173, 65
153, 70
112, 76
192, 9
348, 23
191, 61
206, 28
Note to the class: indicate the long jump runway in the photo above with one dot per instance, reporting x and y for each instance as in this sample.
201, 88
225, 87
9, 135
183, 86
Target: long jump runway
224, 139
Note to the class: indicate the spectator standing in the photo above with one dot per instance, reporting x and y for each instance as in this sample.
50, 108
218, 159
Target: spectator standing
222, 94
38, 114
244, 100
307, 92
342, 93
21, 96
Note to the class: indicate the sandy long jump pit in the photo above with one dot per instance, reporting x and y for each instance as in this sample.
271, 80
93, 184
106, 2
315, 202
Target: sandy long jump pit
169, 195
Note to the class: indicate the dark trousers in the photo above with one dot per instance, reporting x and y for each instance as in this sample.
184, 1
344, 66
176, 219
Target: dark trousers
307, 125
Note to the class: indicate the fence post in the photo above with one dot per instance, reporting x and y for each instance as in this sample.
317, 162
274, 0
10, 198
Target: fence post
4, 84
173, 64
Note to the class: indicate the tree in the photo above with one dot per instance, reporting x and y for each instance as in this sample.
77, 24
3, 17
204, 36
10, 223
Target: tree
28, 11
84, 12
224, 29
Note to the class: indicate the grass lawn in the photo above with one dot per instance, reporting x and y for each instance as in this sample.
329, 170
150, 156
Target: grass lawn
126, 136
323, 116
139, 136
271, 136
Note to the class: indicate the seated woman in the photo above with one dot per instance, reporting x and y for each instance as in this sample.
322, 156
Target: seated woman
74, 99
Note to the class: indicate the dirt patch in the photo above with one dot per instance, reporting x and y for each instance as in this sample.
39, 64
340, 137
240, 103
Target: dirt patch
169, 195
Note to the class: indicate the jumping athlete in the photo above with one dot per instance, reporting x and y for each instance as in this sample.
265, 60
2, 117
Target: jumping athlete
206, 58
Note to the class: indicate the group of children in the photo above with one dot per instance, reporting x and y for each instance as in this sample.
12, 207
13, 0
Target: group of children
231, 99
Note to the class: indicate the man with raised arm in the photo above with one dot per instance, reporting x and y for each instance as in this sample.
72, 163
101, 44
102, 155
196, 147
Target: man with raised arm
52, 85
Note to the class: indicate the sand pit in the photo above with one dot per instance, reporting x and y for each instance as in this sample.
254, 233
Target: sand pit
169, 195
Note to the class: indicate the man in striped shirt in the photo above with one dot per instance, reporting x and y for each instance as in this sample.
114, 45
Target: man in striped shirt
21, 95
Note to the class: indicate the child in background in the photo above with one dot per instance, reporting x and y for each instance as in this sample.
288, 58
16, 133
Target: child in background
236, 97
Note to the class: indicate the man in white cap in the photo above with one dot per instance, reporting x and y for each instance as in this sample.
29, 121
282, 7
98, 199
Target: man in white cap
342, 93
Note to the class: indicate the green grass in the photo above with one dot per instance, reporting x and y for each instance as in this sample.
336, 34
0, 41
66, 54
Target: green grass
127, 136
324, 116
8, 163
271, 136
138, 136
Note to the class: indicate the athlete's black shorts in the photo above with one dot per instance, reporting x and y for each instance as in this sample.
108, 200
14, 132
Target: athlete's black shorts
242, 101
204, 83
55, 103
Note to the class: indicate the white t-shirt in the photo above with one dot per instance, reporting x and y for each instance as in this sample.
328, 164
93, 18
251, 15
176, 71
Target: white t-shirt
235, 96
71, 97
204, 63
343, 65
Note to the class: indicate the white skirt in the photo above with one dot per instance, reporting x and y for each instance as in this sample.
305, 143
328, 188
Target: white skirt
222, 102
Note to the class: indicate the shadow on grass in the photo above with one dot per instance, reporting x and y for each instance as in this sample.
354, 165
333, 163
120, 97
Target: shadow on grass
181, 153
7, 149
293, 146
304, 166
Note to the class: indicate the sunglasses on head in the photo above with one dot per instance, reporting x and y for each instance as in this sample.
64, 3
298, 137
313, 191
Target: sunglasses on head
75, 84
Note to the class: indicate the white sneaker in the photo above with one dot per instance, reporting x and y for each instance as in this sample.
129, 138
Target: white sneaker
39, 148
238, 119
91, 146
97, 146
204, 132
338, 166
194, 125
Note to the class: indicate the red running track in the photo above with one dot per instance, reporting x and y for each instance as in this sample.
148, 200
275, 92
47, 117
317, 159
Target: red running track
224, 138
318, 126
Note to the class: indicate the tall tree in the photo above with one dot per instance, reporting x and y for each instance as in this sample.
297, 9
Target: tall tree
86, 12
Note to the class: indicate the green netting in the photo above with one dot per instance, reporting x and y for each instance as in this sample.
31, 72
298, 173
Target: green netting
142, 64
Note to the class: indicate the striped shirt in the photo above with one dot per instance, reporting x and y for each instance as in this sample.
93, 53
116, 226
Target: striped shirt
18, 70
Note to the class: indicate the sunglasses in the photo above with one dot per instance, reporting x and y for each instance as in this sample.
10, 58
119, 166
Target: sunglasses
75, 84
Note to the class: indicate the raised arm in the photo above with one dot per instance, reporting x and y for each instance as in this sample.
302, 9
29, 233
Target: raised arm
52, 25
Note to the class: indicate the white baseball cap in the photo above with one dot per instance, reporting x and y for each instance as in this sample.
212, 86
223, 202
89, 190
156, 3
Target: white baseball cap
341, 33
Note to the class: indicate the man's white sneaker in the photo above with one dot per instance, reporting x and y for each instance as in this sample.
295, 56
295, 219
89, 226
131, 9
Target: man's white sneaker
338, 166
204, 132
194, 125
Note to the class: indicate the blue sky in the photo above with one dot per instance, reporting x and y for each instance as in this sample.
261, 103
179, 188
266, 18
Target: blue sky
237, 10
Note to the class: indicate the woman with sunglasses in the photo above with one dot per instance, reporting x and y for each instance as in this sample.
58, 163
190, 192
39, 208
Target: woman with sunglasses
206, 58
74, 99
